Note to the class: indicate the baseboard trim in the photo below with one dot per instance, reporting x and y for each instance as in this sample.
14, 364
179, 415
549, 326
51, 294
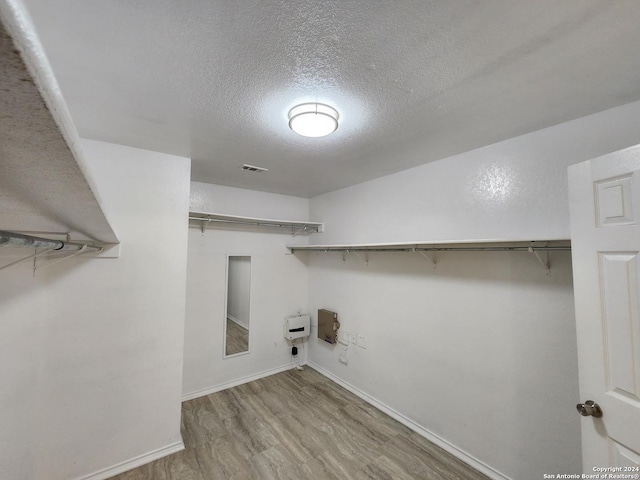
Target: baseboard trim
237, 322
420, 430
134, 462
240, 381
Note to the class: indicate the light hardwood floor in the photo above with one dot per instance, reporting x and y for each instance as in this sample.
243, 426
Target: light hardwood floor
297, 425
237, 338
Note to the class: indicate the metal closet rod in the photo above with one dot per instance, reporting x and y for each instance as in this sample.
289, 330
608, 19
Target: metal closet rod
11, 239
436, 249
257, 224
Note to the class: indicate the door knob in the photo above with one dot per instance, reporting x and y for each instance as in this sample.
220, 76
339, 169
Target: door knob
589, 408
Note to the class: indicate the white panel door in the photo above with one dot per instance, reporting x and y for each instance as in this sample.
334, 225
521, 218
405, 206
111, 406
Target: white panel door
605, 236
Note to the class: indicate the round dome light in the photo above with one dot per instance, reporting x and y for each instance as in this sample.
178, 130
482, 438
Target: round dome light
313, 119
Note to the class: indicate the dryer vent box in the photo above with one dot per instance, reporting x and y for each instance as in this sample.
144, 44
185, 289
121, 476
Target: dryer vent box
328, 326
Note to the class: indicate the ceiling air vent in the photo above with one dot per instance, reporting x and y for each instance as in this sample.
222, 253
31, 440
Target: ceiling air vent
252, 168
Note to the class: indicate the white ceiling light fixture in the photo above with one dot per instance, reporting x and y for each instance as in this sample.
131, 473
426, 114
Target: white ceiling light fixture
313, 119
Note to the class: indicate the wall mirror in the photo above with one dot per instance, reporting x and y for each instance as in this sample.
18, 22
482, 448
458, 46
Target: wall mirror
237, 312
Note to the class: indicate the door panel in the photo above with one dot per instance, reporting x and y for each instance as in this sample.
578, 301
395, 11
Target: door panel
623, 457
613, 202
605, 237
619, 290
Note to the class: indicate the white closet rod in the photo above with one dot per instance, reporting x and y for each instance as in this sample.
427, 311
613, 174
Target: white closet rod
11, 239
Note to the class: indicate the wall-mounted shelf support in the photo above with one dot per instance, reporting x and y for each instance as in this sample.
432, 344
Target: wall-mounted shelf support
431, 257
33, 255
355, 253
297, 227
73, 254
204, 225
545, 263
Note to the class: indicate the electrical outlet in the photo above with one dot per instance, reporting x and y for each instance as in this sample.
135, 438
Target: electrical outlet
361, 341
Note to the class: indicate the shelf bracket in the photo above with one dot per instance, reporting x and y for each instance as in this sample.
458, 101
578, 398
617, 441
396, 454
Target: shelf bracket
295, 232
544, 262
433, 259
355, 253
34, 256
205, 224
53, 262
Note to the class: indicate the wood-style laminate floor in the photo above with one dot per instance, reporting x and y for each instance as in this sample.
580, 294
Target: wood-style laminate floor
297, 425
237, 338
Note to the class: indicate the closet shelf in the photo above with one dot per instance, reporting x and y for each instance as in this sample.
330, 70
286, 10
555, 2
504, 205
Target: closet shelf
297, 227
441, 246
46, 181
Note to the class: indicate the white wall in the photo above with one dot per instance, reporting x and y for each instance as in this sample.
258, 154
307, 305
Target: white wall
279, 287
22, 309
466, 350
210, 198
93, 352
516, 189
479, 351
239, 289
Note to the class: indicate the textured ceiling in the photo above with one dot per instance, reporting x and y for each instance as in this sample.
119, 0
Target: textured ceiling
414, 81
